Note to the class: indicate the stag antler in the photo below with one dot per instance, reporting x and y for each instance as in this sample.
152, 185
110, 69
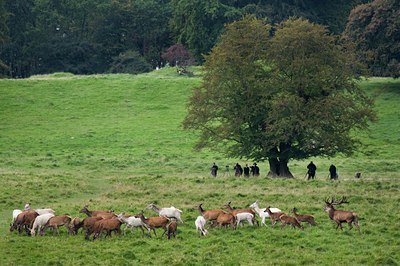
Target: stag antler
328, 201
341, 201
334, 201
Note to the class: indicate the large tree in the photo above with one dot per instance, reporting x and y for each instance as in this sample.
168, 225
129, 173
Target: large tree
375, 30
288, 96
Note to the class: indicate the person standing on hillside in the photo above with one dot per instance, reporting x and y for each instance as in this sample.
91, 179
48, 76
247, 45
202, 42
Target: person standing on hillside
255, 170
246, 171
333, 173
312, 169
214, 170
238, 170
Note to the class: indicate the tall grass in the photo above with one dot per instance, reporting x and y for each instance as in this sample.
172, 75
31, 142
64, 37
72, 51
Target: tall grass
115, 141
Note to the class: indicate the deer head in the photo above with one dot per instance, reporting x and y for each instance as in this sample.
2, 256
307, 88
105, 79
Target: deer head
84, 209
331, 202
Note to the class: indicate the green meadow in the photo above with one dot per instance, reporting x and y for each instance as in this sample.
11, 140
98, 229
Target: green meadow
116, 142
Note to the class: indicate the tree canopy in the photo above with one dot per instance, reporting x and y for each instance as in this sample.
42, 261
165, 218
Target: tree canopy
43, 35
375, 30
292, 95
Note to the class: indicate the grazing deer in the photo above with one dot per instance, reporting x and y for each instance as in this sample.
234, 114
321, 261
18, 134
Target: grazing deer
341, 216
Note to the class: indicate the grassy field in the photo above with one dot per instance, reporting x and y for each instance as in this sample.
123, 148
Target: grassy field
115, 141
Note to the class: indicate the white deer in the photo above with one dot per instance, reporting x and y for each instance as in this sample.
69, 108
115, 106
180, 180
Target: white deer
171, 212
261, 212
200, 223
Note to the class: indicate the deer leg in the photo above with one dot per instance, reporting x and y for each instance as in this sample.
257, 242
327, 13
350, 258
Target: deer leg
87, 235
41, 231
141, 228
126, 227
338, 224
44, 230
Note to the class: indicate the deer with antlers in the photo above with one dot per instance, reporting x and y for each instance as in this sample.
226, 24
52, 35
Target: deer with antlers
341, 216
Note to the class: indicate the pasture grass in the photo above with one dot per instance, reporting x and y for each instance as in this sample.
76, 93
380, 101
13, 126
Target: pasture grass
116, 142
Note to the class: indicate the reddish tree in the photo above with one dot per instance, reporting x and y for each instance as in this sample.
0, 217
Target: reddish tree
177, 55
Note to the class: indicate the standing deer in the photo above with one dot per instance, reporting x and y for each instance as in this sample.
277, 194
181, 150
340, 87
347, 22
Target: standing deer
341, 216
274, 216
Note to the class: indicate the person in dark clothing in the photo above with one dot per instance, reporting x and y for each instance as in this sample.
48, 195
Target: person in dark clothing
246, 171
332, 172
214, 170
312, 169
255, 170
238, 169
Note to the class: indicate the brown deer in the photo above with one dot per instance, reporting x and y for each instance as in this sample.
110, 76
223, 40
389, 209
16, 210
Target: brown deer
236, 211
74, 225
274, 216
171, 229
306, 218
25, 221
108, 226
226, 219
103, 214
57, 221
341, 216
209, 215
289, 220
88, 225
154, 222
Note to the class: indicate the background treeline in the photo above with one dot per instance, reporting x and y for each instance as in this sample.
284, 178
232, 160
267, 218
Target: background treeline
100, 36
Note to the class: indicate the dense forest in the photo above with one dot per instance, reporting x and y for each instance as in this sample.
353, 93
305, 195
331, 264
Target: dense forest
107, 36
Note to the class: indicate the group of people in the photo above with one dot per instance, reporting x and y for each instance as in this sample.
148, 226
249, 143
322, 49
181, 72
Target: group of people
246, 171
254, 170
312, 170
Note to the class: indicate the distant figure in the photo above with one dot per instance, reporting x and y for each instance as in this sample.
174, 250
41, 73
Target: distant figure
332, 172
214, 170
312, 169
238, 169
358, 175
246, 171
255, 170
227, 173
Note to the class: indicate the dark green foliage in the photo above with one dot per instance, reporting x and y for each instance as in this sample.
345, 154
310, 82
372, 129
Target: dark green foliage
374, 28
146, 26
3, 23
129, 62
198, 23
63, 54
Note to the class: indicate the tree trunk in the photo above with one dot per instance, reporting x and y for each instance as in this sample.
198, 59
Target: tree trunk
279, 168
273, 167
284, 169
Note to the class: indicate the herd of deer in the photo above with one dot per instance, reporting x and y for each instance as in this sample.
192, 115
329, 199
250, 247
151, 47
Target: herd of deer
106, 221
